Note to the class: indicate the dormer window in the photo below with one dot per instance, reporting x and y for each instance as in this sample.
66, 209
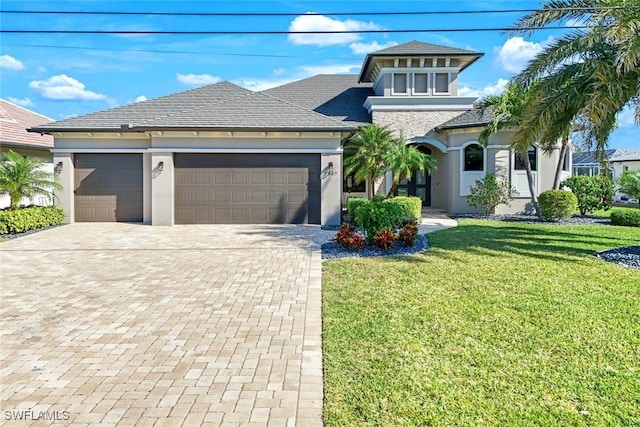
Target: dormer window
399, 85
421, 84
441, 83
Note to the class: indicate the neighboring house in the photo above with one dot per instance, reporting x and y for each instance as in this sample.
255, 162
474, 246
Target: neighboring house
618, 161
14, 121
224, 154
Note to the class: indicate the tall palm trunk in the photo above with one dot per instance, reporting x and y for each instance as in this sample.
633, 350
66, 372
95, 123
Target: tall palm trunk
563, 153
534, 196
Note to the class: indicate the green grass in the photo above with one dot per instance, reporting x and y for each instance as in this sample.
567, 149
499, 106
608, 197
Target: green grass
497, 324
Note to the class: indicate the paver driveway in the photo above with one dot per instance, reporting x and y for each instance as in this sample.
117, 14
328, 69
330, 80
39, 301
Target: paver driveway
137, 325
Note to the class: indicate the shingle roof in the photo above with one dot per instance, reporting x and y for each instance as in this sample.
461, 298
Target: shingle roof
14, 121
421, 48
339, 96
470, 118
218, 106
613, 155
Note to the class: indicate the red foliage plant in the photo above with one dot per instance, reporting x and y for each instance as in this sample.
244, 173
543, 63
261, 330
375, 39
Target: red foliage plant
347, 237
385, 239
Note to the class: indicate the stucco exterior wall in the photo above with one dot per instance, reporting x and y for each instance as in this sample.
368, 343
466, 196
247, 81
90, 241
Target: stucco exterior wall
412, 123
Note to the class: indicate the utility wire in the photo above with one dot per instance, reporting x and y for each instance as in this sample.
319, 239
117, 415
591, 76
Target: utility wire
266, 14
258, 32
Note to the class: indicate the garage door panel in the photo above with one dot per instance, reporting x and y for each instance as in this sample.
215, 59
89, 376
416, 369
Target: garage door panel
201, 178
249, 188
108, 187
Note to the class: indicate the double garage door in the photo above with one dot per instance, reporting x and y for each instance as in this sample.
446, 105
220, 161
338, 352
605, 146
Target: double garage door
247, 188
209, 188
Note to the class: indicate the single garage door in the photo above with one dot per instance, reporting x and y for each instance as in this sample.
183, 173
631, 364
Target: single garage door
247, 188
108, 187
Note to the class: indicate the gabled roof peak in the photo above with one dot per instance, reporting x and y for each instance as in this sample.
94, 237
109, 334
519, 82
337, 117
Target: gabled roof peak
416, 47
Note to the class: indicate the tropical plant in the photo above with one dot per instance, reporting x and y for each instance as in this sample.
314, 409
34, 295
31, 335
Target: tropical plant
366, 155
24, 177
403, 160
489, 193
507, 112
586, 76
626, 217
629, 183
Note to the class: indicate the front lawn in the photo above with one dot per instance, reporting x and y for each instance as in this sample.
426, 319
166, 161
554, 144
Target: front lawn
497, 324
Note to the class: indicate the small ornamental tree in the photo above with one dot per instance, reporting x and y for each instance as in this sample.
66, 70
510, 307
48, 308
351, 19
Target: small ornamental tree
489, 192
629, 183
593, 192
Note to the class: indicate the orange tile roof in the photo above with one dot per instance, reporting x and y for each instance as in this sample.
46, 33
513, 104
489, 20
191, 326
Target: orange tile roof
15, 120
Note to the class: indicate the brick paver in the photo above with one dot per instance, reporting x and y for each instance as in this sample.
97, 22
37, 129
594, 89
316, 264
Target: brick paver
124, 324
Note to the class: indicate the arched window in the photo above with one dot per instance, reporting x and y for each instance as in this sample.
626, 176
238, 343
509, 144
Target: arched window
473, 158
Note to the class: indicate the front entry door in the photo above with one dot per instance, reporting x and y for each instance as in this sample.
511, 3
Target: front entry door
419, 185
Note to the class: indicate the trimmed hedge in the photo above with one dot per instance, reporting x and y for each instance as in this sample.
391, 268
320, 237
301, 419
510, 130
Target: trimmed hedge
412, 205
353, 203
373, 217
628, 217
557, 204
593, 192
29, 218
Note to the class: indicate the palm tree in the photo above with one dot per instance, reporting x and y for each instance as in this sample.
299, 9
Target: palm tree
404, 160
588, 75
23, 176
366, 154
508, 112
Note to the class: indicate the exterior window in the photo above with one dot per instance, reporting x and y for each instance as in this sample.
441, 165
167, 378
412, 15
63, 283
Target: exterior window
441, 83
533, 158
473, 158
421, 83
399, 84
349, 185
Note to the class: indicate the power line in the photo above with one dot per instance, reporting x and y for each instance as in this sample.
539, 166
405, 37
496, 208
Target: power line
267, 14
259, 32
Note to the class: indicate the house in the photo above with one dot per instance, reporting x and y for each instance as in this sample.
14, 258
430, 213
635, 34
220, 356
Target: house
14, 121
618, 161
224, 154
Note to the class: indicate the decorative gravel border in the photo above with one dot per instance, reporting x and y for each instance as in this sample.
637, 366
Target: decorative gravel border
532, 219
26, 233
627, 256
331, 250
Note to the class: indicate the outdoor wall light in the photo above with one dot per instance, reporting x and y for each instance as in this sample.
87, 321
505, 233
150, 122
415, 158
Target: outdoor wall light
58, 168
160, 166
330, 168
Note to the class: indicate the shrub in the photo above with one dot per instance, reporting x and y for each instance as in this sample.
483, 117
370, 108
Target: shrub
557, 204
489, 193
408, 231
353, 203
348, 238
385, 239
593, 192
412, 205
29, 218
627, 217
377, 216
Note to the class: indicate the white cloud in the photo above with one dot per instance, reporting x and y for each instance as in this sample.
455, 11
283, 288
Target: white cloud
41, 69
364, 48
516, 52
141, 98
25, 102
299, 73
63, 87
312, 22
197, 79
10, 63
626, 118
494, 89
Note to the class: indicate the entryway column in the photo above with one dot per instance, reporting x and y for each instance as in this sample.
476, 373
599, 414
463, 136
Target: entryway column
162, 189
64, 172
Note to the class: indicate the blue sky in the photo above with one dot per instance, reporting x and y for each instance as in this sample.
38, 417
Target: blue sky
61, 75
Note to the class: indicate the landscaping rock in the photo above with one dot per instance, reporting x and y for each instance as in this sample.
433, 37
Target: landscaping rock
331, 250
628, 256
532, 219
